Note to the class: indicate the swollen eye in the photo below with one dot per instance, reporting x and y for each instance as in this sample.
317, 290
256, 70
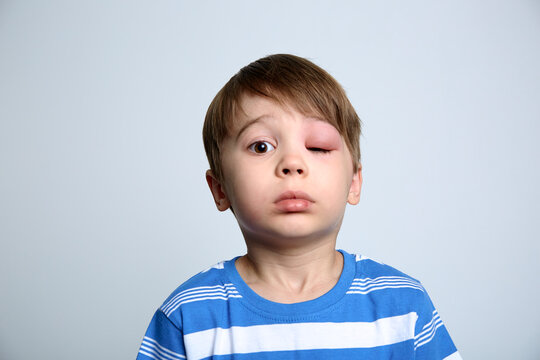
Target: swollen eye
261, 147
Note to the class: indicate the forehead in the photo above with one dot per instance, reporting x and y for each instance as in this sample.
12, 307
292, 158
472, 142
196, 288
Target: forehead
252, 107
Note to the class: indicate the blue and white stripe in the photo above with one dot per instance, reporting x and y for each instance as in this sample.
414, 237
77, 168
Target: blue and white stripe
428, 331
259, 340
366, 285
155, 350
216, 320
217, 292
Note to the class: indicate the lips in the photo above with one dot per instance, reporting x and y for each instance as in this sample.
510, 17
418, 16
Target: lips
293, 201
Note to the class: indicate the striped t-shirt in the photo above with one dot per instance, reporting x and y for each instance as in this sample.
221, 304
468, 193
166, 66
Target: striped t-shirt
373, 312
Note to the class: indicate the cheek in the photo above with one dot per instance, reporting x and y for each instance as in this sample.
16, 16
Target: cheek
244, 191
338, 186
338, 178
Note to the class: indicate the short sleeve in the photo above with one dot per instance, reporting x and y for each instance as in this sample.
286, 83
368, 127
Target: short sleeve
432, 340
163, 340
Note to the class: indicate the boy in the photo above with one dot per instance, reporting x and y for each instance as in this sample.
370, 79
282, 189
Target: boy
282, 140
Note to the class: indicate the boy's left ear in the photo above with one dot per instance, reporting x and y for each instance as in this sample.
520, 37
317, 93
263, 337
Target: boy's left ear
356, 186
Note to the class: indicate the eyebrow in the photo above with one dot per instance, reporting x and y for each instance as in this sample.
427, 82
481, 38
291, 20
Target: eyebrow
249, 123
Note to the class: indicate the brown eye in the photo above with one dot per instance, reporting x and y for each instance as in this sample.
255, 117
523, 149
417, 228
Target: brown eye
261, 147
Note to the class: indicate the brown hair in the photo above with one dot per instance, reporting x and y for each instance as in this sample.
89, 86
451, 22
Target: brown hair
287, 79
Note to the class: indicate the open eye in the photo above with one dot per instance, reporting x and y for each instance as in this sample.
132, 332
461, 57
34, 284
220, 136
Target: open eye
261, 147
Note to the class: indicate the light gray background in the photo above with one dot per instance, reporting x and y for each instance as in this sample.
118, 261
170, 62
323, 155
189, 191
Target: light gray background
103, 205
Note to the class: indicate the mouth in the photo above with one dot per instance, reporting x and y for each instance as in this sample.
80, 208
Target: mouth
293, 201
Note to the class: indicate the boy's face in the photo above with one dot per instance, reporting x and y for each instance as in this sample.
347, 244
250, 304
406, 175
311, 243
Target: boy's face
285, 175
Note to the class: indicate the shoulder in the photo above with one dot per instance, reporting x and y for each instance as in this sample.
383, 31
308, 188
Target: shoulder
209, 284
394, 292
164, 337
387, 286
368, 267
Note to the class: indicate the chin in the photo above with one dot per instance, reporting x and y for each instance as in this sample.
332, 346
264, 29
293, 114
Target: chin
294, 227
298, 234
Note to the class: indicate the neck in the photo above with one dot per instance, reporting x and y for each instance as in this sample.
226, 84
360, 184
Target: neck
291, 275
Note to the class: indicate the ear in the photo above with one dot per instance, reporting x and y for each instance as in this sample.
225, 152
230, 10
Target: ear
220, 198
356, 186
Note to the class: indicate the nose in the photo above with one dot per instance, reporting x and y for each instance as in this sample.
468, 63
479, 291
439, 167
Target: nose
292, 165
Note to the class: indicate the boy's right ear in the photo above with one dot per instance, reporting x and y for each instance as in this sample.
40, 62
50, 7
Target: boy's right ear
220, 198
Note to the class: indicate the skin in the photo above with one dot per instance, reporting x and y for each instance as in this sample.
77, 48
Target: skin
288, 178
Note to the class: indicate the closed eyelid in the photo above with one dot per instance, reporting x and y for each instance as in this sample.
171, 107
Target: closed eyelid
319, 148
